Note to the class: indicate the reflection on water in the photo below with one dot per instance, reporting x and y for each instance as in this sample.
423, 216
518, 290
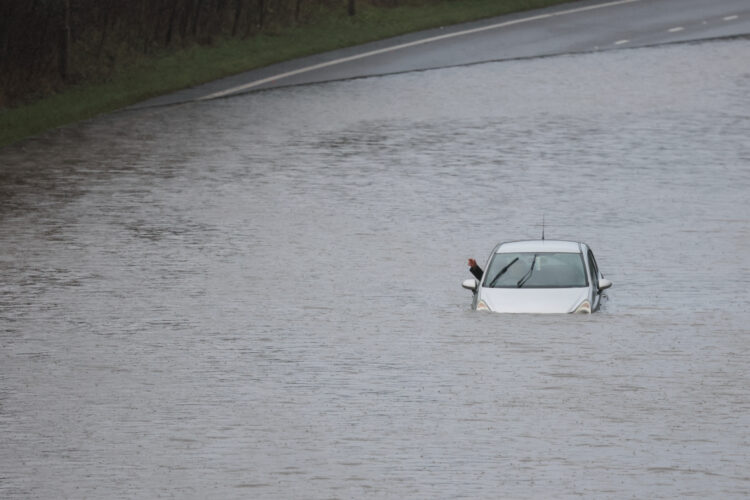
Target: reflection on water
260, 296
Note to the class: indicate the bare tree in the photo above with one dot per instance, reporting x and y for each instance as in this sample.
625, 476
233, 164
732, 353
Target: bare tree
172, 19
196, 17
65, 43
237, 13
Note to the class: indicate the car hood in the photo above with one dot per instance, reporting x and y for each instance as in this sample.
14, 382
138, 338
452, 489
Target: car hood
533, 300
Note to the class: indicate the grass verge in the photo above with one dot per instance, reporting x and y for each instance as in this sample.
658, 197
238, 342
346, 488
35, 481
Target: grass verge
167, 72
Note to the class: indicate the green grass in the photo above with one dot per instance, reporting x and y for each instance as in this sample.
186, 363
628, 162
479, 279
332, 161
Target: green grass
167, 72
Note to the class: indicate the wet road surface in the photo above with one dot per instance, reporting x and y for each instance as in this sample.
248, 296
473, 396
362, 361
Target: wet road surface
575, 27
260, 296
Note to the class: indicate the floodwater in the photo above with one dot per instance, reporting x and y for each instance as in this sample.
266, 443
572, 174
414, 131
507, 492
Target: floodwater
259, 297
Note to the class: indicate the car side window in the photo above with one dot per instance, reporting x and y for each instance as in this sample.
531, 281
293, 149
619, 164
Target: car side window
594, 268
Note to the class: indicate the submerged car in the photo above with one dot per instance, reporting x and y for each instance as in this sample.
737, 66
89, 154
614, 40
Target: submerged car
539, 276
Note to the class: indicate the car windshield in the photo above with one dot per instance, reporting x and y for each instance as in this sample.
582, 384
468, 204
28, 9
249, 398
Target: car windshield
550, 270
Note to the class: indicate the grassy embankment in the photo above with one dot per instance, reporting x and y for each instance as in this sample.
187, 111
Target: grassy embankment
183, 68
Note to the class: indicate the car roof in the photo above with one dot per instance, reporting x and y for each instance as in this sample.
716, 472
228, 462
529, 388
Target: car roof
539, 246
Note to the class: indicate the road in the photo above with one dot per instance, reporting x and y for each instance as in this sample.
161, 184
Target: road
565, 29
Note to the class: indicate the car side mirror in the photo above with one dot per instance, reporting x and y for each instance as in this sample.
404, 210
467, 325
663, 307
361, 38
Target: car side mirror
470, 284
604, 284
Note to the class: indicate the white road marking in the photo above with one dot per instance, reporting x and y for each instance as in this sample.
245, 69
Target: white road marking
620, 42
675, 30
731, 18
306, 69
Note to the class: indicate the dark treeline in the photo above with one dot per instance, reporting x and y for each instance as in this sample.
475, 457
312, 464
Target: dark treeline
46, 44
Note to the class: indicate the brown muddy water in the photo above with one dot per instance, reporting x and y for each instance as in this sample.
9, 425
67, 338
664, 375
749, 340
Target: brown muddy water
259, 297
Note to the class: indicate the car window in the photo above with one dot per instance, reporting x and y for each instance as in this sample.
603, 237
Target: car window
550, 270
594, 268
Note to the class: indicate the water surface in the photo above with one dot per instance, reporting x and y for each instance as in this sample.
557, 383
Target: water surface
260, 296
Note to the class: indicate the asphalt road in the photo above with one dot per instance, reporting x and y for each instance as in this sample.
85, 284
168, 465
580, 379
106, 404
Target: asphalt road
569, 28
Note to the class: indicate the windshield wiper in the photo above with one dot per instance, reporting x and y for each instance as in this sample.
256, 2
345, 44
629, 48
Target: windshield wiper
502, 271
527, 276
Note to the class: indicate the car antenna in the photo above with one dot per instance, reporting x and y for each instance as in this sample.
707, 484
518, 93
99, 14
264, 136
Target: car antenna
542, 227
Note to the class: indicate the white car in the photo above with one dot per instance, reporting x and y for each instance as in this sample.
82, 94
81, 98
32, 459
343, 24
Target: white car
539, 276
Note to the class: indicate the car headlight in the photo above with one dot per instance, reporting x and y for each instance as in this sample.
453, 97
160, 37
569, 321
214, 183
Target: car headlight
482, 306
583, 308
